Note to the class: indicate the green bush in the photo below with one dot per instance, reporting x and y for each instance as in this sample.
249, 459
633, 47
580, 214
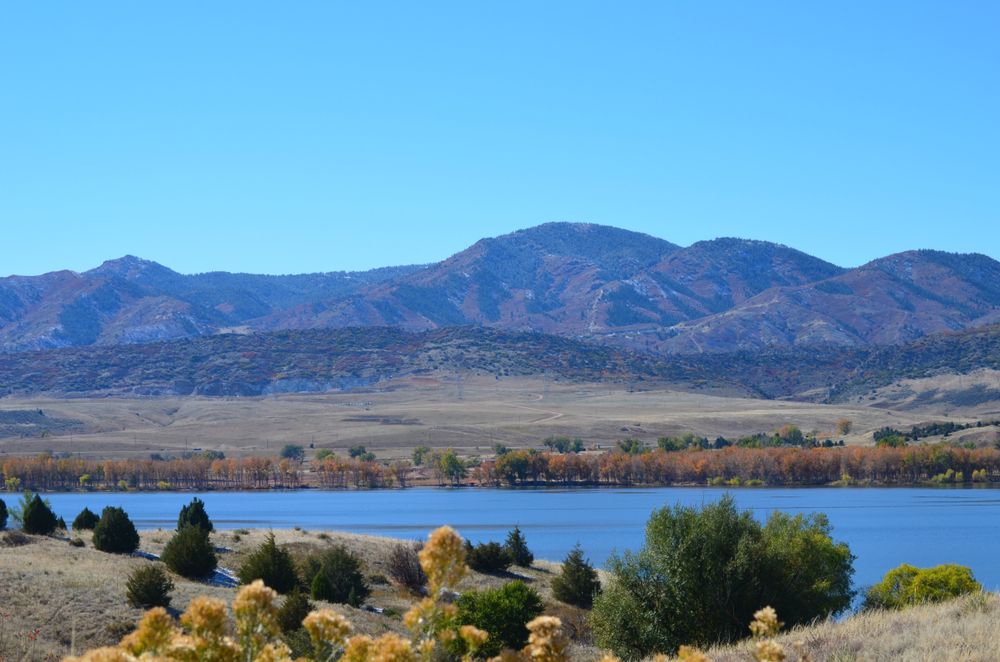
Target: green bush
272, 565
517, 548
503, 612
148, 586
293, 610
703, 572
37, 517
489, 557
3, 515
115, 532
194, 514
86, 520
293, 452
190, 553
335, 575
908, 585
577, 582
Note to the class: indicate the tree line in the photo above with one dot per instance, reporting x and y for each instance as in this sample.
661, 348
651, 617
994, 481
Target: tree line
745, 466
625, 465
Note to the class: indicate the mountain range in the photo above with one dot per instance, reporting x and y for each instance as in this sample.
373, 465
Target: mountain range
587, 282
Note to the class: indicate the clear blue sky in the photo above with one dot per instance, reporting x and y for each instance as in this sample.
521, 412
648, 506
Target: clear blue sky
313, 136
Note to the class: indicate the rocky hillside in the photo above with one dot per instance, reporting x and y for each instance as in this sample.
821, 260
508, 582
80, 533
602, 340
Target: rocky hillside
589, 282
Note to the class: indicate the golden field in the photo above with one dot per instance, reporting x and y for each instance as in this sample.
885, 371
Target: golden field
470, 415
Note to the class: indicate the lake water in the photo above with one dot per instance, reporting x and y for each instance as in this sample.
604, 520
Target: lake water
883, 526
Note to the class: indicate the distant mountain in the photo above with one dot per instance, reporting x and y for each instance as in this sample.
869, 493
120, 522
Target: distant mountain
890, 300
588, 282
554, 278
130, 300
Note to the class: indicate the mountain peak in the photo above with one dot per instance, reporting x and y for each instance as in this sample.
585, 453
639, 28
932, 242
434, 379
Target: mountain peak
128, 266
557, 233
608, 247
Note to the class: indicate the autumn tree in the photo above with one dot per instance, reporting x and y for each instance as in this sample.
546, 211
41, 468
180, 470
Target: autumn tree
907, 585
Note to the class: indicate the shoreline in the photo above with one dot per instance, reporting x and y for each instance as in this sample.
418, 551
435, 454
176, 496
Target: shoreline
541, 487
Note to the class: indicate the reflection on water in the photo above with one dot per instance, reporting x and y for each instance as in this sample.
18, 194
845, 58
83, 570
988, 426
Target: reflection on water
884, 527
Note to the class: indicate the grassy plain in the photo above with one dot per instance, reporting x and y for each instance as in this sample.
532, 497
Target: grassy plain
470, 415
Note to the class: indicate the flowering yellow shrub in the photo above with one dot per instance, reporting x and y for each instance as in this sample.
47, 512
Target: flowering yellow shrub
205, 633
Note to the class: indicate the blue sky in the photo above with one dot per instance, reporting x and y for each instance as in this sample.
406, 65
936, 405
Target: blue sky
316, 136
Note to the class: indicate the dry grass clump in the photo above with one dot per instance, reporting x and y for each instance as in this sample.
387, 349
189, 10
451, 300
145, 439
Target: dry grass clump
14, 538
960, 630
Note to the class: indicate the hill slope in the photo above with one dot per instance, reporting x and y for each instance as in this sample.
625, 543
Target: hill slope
318, 360
334, 359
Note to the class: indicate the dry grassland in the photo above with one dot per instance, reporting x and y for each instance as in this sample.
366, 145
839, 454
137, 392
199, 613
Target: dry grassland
964, 630
75, 597
471, 416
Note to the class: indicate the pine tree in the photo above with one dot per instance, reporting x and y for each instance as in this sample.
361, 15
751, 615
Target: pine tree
321, 587
577, 582
335, 576
115, 532
293, 610
148, 586
37, 517
271, 564
86, 520
3, 515
190, 553
194, 514
517, 548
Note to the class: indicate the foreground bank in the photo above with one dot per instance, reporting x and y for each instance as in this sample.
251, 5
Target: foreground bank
59, 599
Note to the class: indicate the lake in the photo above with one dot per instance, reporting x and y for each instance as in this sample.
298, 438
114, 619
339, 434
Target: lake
883, 526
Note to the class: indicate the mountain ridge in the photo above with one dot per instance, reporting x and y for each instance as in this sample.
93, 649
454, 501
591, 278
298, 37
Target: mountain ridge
591, 282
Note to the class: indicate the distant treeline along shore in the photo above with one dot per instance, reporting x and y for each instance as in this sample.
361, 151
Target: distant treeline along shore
629, 464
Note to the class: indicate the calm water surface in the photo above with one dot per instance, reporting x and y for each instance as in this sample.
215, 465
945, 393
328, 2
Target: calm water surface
884, 527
